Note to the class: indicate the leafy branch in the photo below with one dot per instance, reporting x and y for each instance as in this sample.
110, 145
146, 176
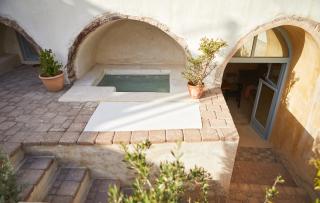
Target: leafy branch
198, 68
173, 183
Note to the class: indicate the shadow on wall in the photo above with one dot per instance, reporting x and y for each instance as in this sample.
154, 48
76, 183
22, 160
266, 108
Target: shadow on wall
293, 134
105, 161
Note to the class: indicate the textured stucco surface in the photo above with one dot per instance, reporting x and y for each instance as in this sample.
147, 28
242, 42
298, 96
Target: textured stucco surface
127, 42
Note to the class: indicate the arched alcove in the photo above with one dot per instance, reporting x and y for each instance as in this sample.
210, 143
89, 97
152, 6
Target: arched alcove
16, 46
124, 40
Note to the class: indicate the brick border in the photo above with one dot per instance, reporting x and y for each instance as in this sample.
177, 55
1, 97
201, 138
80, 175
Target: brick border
14, 25
310, 26
217, 125
109, 17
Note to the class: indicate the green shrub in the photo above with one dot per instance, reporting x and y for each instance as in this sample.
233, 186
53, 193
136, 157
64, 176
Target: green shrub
272, 192
49, 67
316, 180
198, 68
173, 183
9, 191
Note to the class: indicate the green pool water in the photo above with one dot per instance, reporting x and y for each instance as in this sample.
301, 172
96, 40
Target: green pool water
137, 83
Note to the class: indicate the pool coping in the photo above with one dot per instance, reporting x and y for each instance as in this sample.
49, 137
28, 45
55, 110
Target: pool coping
85, 89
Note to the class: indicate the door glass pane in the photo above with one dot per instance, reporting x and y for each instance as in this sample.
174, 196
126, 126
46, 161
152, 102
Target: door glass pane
245, 50
275, 72
264, 104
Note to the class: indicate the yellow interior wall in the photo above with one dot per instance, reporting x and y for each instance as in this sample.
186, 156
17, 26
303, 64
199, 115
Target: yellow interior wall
297, 121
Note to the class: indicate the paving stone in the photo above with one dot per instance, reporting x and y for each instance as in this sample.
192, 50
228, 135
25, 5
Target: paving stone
34, 138
59, 199
157, 136
10, 148
69, 138
139, 136
43, 127
66, 184
6, 125
209, 134
174, 135
218, 123
191, 135
87, 138
18, 137
122, 137
76, 127
75, 174
68, 188
98, 192
59, 119
51, 138
104, 138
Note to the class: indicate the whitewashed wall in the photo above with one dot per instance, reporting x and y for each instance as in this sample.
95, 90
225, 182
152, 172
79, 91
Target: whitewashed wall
55, 23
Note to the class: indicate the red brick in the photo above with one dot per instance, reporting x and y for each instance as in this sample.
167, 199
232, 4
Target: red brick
218, 123
105, 137
122, 137
209, 134
51, 138
139, 136
69, 138
174, 135
87, 138
230, 134
157, 136
191, 135
35, 138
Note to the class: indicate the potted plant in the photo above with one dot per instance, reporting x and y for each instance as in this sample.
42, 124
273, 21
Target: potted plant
50, 71
198, 68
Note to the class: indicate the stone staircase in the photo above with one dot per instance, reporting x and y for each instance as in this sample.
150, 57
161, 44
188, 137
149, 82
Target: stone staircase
42, 179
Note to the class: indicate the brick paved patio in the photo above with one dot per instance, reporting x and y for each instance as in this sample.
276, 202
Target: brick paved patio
31, 115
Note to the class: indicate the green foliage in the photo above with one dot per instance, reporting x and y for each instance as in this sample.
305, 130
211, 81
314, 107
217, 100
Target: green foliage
198, 68
173, 183
272, 192
316, 181
49, 67
9, 191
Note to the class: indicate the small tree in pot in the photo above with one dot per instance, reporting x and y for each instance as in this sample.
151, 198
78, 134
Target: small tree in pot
198, 68
50, 71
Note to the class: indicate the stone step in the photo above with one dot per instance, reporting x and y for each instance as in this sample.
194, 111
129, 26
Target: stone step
99, 190
71, 185
34, 176
14, 152
256, 193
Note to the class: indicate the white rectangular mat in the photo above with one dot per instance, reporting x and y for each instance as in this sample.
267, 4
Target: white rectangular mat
134, 116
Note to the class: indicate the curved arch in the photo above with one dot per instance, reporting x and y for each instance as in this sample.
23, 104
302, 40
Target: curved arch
14, 25
310, 26
106, 18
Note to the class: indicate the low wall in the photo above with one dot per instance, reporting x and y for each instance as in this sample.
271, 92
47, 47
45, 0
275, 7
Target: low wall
106, 160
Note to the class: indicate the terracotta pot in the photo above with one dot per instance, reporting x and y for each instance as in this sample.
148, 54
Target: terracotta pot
195, 91
53, 84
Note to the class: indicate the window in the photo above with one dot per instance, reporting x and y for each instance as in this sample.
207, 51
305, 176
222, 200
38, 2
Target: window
267, 44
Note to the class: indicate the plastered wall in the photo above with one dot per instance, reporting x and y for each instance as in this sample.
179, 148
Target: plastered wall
133, 42
127, 42
297, 121
55, 24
